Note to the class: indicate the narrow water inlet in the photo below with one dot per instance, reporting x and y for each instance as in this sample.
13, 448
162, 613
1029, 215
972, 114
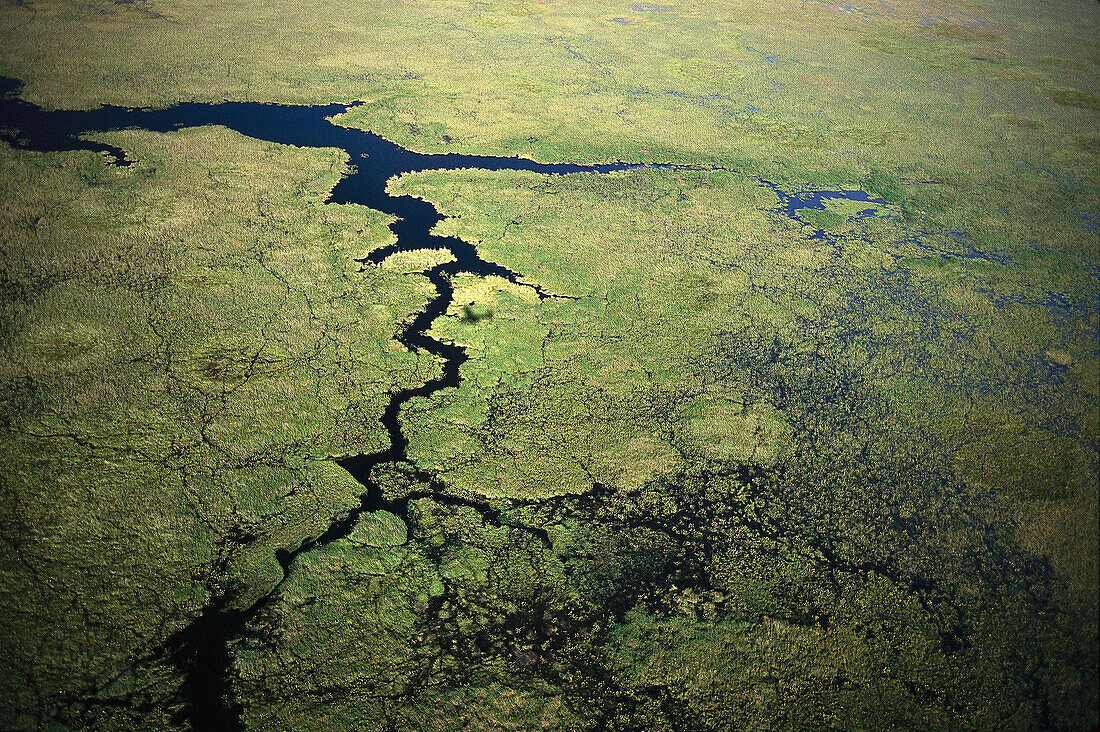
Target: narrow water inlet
201, 649
206, 672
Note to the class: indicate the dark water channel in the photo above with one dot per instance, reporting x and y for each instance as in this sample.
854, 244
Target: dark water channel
201, 649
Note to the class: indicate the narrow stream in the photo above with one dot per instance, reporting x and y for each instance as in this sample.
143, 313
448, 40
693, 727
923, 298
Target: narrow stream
201, 649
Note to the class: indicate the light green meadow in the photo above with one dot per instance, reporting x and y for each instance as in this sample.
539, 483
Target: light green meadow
740, 470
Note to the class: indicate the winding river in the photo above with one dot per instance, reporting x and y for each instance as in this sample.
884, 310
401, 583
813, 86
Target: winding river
200, 650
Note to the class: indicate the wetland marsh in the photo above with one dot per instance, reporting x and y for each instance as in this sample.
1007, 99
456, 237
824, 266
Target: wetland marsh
601, 366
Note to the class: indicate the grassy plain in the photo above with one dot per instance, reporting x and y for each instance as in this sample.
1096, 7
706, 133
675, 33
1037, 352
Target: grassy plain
187, 342
805, 474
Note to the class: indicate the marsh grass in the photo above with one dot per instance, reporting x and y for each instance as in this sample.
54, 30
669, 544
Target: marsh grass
184, 348
828, 472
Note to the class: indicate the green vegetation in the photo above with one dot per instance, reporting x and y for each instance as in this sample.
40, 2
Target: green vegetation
186, 343
738, 471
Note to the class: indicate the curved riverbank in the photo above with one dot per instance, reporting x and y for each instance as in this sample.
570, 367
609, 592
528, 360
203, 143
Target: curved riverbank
200, 650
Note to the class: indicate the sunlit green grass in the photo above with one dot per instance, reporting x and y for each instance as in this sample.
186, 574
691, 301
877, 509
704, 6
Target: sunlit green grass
185, 344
